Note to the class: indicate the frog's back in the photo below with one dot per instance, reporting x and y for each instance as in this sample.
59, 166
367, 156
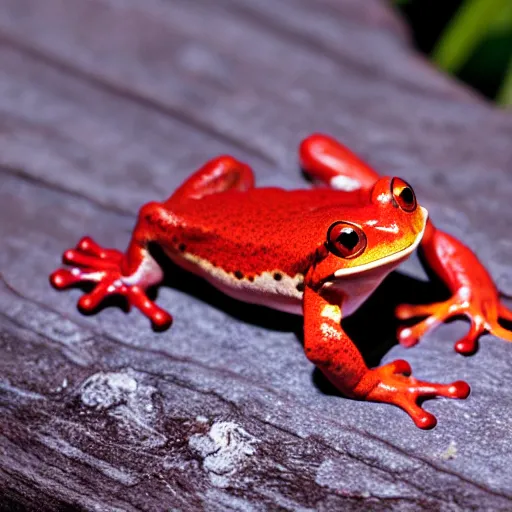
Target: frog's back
245, 235
262, 210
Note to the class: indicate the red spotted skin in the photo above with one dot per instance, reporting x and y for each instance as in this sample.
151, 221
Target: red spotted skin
318, 252
265, 231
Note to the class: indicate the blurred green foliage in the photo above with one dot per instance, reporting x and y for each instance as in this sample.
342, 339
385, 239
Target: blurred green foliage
471, 39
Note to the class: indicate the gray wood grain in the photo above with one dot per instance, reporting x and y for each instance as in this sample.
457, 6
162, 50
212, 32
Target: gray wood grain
107, 104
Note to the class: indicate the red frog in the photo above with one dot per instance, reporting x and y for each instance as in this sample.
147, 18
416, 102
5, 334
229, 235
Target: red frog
318, 252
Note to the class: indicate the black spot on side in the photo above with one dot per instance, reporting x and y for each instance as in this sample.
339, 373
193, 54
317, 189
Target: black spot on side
238, 274
182, 247
300, 287
251, 278
278, 276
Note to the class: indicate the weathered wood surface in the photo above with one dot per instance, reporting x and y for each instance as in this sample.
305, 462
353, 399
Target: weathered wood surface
107, 104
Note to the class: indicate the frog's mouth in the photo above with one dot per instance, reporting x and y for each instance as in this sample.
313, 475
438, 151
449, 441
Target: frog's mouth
392, 260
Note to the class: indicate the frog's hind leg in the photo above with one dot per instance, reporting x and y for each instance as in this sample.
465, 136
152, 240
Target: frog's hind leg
327, 161
218, 175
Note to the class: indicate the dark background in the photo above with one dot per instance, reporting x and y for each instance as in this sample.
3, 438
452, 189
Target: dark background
487, 64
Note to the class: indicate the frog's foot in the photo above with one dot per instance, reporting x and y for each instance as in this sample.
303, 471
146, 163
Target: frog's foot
483, 315
94, 264
393, 384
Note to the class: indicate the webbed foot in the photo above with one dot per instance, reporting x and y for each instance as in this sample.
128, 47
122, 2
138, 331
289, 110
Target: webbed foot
92, 263
483, 313
394, 384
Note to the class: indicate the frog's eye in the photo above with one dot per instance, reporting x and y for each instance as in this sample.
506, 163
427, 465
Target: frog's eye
403, 195
346, 240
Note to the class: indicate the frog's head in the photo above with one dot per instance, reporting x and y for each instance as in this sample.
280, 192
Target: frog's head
376, 237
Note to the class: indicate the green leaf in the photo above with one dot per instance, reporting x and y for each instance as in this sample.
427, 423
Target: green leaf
505, 94
466, 30
503, 20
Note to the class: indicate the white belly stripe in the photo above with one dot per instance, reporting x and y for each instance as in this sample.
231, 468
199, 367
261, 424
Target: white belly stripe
281, 294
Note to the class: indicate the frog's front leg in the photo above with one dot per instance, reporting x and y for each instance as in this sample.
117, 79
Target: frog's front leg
332, 351
131, 273
474, 294
115, 273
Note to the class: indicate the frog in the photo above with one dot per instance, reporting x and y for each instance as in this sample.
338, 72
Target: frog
317, 252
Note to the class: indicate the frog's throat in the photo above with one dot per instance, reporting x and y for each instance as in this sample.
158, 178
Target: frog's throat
395, 257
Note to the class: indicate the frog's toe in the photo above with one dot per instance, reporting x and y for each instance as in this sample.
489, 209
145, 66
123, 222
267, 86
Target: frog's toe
88, 254
469, 344
484, 318
422, 419
64, 278
91, 301
410, 336
89, 247
407, 311
436, 314
80, 259
160, 319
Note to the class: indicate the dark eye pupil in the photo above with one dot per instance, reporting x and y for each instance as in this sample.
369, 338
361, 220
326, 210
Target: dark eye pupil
407, 196
348, 238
